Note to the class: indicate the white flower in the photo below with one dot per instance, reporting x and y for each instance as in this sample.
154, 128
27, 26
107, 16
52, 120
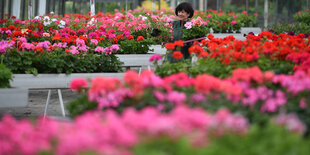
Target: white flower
54, 20
143, 17
188, 25
62, 24
92, 21
45, 23
46, 18
37, 17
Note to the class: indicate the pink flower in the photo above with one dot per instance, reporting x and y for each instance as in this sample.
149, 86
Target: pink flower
291, 123
159, 96
77, 20
46, 35
73, 50
302, 103
233, 22
188, 25
175, 97
198, 97
94, 41
78, 83
99, 49
155, 57
27, 46
114, 48
107, 50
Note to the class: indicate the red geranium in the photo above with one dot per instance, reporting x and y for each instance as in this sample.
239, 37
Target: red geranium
140, 38
179, 43
170, 46
177, 55
130, 37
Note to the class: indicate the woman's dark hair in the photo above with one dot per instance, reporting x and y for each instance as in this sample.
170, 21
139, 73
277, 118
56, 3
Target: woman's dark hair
187, 7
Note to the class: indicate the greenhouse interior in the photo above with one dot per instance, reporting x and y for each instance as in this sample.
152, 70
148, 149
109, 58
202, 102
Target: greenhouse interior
154, 77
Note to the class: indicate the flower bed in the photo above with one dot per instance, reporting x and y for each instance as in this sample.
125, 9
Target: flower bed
184, 130
219, 57
251, 92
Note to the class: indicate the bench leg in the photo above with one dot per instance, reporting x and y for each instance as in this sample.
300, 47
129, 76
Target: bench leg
140, 69
61, 103
47, 102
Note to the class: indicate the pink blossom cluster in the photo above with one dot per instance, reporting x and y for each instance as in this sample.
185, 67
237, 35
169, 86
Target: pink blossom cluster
272, 100
291, 123
110, 133
247, 86
108, 50
155, 57
4, 45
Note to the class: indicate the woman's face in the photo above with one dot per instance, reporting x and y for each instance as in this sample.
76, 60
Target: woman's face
183, 15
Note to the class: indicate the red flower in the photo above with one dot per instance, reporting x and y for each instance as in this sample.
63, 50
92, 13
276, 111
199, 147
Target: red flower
113, 41
119, 37
11, 27
210, 36
140, 38
38, 48
170, 46
4, 20
195, 49
226, 61
130, 37
84, 38
36, 35
203, 55
40, 27
177, 55
179, 43
56, 37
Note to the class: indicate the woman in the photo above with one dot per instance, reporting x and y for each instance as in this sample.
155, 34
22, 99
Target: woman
184, 11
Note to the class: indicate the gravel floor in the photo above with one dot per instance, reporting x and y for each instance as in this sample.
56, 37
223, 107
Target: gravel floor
36, 104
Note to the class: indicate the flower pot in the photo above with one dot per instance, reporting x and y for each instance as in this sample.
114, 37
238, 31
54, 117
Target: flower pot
13, 97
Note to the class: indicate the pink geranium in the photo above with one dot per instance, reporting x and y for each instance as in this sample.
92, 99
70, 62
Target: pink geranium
99, 49
78, 83
73, 50
114, 48
233, 22
155, 57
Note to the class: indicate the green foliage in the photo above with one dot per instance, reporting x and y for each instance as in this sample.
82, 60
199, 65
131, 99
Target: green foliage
267, 140
297, 28
302, 17
80, 105
215, 67
134, 47
301, 26
58, 61
195, 32
164, 146
167, 68
5, 76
